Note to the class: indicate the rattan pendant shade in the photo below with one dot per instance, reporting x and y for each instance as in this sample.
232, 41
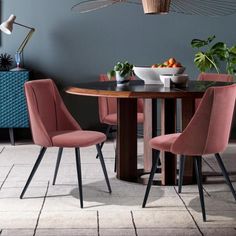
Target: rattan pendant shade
156, 6
188, 7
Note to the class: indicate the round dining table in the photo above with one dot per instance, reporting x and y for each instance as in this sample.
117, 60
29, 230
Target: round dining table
127, 168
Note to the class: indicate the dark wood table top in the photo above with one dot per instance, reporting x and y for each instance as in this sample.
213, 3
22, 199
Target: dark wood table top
137, 89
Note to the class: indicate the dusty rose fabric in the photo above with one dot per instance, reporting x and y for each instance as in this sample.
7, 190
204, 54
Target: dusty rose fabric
208, 131
164, 142
48, 114
77, 138
108, 107
213, 77
112, 119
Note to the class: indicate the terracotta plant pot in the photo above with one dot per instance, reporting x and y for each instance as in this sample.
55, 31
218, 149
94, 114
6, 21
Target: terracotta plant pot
156, 6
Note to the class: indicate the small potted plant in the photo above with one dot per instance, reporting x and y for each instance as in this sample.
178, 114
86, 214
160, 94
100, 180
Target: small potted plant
122, 72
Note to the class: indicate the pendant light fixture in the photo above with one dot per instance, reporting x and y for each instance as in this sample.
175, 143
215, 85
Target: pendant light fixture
189, 7
156, 6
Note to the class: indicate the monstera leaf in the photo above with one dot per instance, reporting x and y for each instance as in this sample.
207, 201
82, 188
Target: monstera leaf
214, 55
198, 43
203, 61
233, 50
220, 50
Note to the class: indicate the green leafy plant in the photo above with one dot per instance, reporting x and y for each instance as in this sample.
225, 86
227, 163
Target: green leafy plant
124, 68
5, 61
214, 55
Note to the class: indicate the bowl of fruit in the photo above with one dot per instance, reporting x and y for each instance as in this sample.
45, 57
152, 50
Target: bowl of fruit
151, 74
169, 67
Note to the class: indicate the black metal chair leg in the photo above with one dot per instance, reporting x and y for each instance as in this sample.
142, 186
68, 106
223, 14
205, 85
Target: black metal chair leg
197, 163
103, 166
11, 134
36, 165
115, 164
153, 171
181, 172
107, 133
57, 165
224, 171
79, 176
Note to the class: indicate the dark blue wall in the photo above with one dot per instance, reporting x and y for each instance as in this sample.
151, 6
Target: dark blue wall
72, 47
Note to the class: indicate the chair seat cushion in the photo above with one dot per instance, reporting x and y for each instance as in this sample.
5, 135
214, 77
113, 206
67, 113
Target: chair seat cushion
112, 119
163, 142
78, 138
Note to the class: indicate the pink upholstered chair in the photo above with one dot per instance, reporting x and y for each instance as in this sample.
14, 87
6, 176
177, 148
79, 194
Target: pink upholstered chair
53, 126
107, 108
213, 77
207, 133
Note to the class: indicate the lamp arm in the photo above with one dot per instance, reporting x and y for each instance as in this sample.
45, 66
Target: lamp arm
27, 38
25, 41
25, 26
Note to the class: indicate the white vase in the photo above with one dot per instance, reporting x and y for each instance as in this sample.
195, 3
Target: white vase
122, 80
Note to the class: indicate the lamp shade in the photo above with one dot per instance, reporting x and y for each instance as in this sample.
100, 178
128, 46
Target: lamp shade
156, 6
7, 26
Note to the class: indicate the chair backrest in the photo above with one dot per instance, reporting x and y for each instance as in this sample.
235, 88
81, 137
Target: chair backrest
208, 131
215, 77
47, 111
107, 106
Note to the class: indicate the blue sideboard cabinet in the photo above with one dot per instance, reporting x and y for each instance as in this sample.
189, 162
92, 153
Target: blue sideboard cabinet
13, 110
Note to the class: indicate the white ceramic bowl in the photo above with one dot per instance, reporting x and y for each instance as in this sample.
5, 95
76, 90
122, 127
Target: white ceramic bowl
147, 74
176, 79
151, 75
169, 70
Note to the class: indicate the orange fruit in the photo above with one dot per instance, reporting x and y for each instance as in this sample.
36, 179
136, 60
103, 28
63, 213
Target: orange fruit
172, 61
166, 63
154, 66
177, 65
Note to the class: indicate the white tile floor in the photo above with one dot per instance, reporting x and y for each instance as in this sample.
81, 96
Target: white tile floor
50, 210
